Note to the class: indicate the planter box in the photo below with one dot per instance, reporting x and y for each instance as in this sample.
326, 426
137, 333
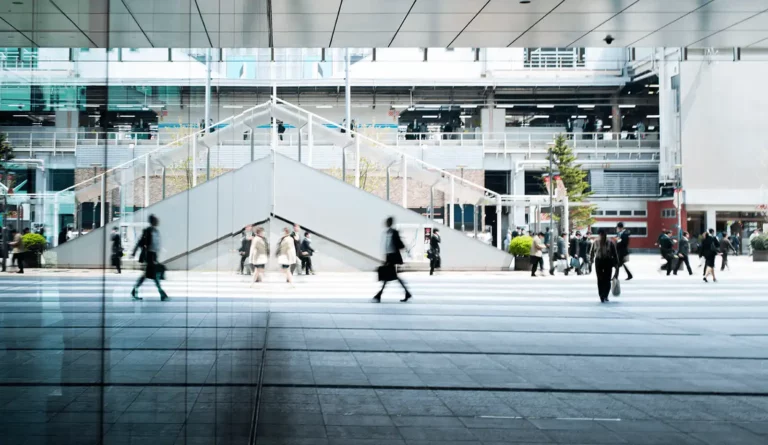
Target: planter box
523, 263
760, 256
31, 260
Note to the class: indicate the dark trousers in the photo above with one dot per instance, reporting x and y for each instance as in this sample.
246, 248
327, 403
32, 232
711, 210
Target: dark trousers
538, 264
670, 262
306, 264
684, 259
242, 262
626, 269
150, 271
18, 259
384, 284
725, 261
604, 271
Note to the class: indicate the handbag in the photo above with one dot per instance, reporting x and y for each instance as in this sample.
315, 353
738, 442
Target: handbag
575, 263
387, 272
615, 287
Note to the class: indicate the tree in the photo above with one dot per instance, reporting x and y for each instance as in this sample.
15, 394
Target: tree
371, 175
179, 176
575, 181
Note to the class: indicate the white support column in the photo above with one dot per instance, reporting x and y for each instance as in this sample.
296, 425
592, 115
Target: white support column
273, 130
498, 223
208, 88
711, 219
56, 218
310, 140
453, 202
357, 163
445, 214
194, 161
347, 92
405, 183
146, 181
103, 200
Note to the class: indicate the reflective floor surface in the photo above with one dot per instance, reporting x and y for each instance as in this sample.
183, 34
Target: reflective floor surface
473, 359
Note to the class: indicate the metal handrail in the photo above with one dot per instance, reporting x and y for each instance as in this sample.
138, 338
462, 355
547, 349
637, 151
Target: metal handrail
404, 155
174, 144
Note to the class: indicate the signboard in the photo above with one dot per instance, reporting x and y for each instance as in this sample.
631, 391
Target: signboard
416, 240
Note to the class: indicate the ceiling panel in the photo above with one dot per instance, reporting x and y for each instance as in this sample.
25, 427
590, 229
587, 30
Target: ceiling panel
91, 22
131, 40
77, 6
732, 38
126, 23
62, 39
234, 6
498, 39
55, 22
302, 23
436, 23
593, 6
234, 22
163, 39
154, 6
500, 22
241, 39
671, 38
375, 6
423, 39
305, 6
362, 39
535, 39
622, 39
369, 22
447, 6
763, 44
514, 6
756, 23
13, 39
668, 5
707, 21
639, 21
572, 22
738, 5
302, 39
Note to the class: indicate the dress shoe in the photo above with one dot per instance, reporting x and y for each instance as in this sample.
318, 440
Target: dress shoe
408, 296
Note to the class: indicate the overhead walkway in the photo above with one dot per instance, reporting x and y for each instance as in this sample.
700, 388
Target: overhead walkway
201, 221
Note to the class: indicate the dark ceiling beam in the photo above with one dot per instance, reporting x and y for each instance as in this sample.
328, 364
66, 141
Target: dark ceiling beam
205, 28
402, 23
22, 34
74, 24
333, 33
673, 21
536, 23
137, 23
468, 23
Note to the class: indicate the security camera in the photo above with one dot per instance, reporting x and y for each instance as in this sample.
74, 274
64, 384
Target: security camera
609, 39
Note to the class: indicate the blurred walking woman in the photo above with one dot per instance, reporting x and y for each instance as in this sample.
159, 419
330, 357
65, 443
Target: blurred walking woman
258, 255
286, 254
606, 259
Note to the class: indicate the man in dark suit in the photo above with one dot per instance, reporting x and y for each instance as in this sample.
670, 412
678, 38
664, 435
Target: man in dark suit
149, 244
622, 247
388, 271
683, 252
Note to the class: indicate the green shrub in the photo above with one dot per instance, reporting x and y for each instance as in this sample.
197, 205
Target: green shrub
521, 246
760, 243
33, 242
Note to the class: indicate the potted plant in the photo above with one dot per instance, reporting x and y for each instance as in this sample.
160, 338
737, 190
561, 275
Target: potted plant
760, 248
34, 244
520, 247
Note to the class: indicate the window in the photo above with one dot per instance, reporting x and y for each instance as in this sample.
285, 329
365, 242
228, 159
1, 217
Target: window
611, 213
625, 212
597, 213
641, 213
669, 213
634, 231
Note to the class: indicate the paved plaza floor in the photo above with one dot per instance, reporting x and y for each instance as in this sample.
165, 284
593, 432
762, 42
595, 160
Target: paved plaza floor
474, 358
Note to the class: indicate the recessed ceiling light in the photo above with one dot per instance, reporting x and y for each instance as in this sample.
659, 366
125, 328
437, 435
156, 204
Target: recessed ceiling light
18, 3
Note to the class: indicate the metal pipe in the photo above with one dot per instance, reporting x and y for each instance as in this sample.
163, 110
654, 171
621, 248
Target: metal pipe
388, 168
310, 139
347, 92
405, 182
498, 222
146, 181
357, 162
103, 200
453, 202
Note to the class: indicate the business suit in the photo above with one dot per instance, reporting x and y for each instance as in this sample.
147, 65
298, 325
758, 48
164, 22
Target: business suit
622, 247
392, 246
434, 253
149, 246
683, 252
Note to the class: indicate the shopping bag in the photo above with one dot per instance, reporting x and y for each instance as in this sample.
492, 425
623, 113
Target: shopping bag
560, 266
615, 287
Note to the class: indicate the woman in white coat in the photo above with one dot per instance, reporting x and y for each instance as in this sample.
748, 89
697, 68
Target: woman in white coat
259, 255
286, 254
